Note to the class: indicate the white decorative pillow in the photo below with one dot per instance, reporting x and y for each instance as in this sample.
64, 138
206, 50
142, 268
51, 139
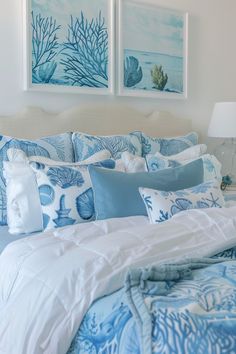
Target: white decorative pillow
60, 193
133, 163
16, 155
161, 205
66, 195
23, 204
158, 161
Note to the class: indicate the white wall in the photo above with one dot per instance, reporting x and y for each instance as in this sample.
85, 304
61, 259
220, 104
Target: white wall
212, 64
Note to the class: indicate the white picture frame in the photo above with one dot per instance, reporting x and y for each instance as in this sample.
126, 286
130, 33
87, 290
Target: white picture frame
136, 35
66, 71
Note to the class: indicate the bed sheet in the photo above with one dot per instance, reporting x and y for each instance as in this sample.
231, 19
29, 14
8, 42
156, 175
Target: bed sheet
6, 238
110, 327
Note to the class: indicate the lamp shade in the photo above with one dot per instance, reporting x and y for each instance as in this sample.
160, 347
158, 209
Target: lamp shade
223, 120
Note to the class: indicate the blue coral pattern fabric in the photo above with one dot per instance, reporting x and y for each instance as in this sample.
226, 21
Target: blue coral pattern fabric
161, 205
167, 146
193, 313
66, 194
58, 147
87, 145
212, 167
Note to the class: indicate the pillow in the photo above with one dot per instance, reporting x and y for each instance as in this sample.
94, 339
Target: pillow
66, 194
58, 147
211, 166
167, 146
161, 205
116, 194
133, 163
86, 145
158, 161
15, 155
60, 193
24, 213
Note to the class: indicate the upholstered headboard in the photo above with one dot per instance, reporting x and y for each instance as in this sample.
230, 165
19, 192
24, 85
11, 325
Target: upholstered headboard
104, 119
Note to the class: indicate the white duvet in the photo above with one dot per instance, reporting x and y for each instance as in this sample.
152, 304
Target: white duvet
48, 282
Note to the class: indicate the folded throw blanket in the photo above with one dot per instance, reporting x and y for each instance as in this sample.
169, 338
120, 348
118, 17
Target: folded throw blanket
155, 283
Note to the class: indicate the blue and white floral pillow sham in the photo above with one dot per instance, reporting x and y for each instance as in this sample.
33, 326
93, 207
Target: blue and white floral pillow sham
58, 147
167, 146
161, 206
86, 145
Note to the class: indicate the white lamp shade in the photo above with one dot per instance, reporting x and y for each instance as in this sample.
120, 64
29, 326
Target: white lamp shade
223, 120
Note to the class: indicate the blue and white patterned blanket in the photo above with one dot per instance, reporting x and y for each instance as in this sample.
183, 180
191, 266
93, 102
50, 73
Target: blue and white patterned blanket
181, 308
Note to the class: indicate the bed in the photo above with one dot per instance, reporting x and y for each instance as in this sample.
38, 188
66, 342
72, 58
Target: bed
123, 284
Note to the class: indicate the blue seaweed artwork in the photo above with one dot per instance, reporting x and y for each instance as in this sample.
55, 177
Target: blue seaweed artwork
44, 48
86, 52
153, 48
63, 218
70, 43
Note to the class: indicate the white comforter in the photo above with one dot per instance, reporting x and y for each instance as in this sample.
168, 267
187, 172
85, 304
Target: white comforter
47, 282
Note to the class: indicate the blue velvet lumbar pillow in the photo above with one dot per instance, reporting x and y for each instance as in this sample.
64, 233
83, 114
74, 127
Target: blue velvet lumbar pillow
116, 194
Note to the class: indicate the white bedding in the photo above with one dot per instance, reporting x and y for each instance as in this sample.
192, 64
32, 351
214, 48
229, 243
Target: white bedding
48, 282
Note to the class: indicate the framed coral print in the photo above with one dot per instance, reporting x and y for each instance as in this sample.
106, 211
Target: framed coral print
69, 45
152, 50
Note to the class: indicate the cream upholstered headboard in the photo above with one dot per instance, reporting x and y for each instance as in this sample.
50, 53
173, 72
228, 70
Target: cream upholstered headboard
106, 119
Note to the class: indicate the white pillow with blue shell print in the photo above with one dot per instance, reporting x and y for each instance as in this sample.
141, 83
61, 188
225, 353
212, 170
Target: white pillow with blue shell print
60, 192
157, 161
210, 163
161, 205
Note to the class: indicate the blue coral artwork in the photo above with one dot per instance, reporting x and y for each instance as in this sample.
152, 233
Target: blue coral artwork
152, 50
69, 49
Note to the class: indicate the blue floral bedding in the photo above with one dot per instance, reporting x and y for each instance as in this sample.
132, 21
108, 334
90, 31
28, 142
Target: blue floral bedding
188, 310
